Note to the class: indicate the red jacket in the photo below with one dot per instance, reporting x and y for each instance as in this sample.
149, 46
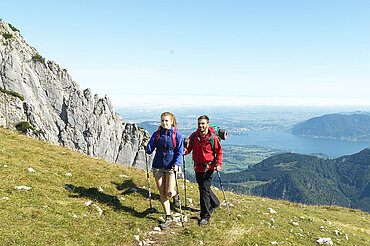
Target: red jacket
202, 151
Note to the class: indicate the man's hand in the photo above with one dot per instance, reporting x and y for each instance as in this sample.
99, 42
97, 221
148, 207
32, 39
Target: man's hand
185, 150
175, 168
218, 168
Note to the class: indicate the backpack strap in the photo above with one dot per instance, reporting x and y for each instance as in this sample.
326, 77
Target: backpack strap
192, 136
211, 141
157, 135
174, 132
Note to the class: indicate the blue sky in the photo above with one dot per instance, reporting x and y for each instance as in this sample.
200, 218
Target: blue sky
201, 51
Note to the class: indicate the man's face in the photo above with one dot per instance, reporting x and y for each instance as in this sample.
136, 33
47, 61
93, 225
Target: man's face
203, 126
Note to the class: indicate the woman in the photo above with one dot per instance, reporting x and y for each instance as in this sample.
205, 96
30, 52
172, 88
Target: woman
168, 143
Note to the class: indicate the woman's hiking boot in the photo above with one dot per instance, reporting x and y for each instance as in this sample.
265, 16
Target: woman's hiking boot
167, 223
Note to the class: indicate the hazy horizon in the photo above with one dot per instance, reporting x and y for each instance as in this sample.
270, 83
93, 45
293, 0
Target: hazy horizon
158, 101
144, 112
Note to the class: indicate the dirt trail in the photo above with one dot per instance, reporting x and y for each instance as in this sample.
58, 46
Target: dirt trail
160, 237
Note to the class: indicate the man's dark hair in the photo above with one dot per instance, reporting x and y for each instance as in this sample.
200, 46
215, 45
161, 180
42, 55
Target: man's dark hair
204, 117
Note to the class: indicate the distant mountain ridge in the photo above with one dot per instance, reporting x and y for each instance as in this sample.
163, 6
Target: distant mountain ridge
344, 181
352, 127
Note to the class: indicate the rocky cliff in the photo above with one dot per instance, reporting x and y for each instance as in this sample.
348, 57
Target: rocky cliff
57, 110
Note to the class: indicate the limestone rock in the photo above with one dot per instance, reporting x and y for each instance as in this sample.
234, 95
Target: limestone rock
327, 241
30, 169
22, 187
58, 110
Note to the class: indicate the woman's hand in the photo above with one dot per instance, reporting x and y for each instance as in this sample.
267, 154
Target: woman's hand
145, 142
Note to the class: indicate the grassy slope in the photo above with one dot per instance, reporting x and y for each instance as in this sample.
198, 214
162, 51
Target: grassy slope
49, 214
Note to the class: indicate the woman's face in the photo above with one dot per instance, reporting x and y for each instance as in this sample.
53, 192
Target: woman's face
166, 122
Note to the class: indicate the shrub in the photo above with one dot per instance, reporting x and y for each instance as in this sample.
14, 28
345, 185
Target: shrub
24, 126
12, 93
7, 35
38, 57
13, 28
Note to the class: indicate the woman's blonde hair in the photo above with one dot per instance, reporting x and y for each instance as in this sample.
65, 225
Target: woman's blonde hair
174, 123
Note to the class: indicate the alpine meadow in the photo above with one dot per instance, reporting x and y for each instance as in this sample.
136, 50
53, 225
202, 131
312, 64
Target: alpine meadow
74, 199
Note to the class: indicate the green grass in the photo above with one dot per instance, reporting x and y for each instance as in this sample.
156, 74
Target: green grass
13, 28
49, 214
237, 158
7, 35
250, 184
12, 93
38, 57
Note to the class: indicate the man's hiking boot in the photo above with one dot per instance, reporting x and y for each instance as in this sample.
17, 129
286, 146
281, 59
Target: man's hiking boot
203, 222
167, 223
176, 201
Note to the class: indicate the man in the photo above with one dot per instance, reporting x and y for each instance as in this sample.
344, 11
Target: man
207, 156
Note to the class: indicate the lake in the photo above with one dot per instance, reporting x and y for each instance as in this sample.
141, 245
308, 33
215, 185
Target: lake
289, 142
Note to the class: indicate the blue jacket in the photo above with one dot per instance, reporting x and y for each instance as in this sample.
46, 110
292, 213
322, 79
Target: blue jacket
166, 156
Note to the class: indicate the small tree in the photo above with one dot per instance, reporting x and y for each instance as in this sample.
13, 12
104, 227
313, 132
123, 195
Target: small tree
7, 35
38, 57
24, 126
13, 28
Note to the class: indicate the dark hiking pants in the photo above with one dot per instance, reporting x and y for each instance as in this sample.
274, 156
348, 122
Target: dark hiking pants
207, 198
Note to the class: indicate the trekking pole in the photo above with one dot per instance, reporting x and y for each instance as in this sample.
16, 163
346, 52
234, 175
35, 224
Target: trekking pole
222, 188
183, 160
186, 143
177, 187
147, 175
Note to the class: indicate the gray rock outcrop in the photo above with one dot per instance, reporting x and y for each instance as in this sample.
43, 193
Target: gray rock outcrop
58, 111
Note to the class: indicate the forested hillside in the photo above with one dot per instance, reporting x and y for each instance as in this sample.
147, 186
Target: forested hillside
354, 127
307, 179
